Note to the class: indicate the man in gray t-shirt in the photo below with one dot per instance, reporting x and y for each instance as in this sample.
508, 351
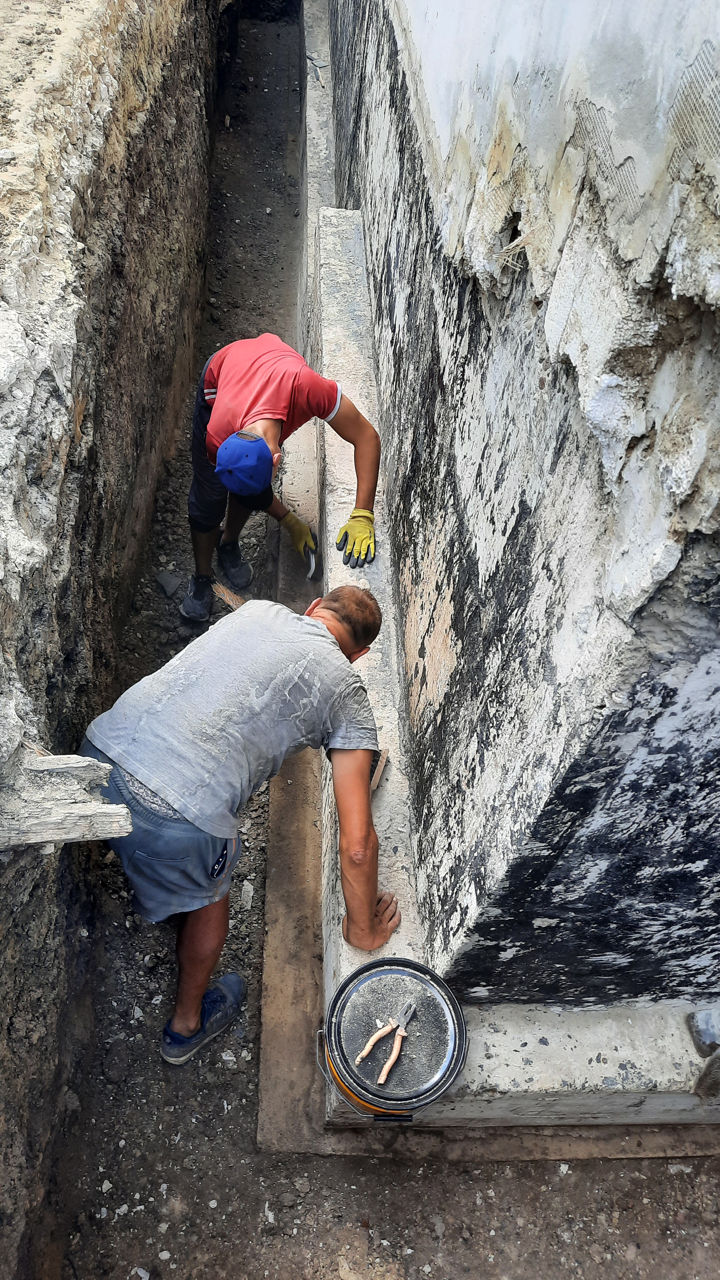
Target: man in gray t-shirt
191, 743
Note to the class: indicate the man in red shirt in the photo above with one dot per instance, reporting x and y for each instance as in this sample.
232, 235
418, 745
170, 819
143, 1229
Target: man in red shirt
252, 395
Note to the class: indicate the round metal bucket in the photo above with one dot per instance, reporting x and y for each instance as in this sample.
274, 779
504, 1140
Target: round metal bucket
433, 1052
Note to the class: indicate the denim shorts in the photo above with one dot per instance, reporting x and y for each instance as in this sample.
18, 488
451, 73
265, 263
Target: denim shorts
171, 864
207, 499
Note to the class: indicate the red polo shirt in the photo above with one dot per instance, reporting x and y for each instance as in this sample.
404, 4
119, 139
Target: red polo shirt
263, 378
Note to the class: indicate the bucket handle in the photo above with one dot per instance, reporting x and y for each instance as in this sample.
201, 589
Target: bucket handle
401, 1117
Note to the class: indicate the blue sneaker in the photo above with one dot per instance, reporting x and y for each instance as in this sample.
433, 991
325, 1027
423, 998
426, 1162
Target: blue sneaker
233, 565
220, 1006
198, 600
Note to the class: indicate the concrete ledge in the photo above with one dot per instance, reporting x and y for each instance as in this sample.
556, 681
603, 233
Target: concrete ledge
540, 1065
343, 350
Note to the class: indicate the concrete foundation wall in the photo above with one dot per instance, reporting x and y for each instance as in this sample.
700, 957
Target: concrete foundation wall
103, 175
539, 203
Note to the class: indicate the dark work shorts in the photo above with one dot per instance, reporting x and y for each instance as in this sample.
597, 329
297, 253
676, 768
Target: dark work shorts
208, 496
171, 864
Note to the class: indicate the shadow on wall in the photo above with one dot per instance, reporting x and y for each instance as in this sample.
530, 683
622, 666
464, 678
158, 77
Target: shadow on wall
271, 10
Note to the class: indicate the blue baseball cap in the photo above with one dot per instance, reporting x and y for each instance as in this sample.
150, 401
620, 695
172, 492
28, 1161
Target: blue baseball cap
244, 464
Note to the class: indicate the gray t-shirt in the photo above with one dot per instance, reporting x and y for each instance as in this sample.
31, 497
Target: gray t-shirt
207, 729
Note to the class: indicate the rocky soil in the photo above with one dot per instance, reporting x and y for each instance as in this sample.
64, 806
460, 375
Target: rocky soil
157, 1174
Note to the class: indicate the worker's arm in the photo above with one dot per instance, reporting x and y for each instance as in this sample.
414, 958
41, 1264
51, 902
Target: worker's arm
372, 917
357, 538
300, 533
277, 509
350, 425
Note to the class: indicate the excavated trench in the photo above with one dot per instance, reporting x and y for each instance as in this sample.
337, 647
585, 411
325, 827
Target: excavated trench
125, 1120
112, 1164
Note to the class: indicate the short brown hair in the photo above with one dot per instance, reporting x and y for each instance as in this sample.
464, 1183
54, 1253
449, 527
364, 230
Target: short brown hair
358, 609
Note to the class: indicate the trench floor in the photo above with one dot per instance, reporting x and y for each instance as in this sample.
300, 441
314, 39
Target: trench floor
158, 1172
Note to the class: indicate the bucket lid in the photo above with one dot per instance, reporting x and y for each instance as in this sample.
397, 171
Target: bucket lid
433, 1052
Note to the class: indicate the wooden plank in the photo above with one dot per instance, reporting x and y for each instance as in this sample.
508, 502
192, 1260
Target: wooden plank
53, 821
90, 771
380, 766
228, 597
53, 800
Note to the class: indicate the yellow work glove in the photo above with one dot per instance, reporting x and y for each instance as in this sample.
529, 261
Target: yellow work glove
357, 538
301, 535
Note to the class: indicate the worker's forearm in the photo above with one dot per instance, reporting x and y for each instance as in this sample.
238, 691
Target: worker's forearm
277, 509
359, 878
367, 464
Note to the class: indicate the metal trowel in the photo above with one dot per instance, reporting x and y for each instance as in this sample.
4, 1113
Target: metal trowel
313, 564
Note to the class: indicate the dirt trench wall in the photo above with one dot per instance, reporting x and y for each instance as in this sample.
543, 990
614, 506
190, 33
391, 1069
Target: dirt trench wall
540, 211
103, 197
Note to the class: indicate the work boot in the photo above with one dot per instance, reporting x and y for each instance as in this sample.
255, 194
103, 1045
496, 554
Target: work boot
198, 600
234, 566
220, 1006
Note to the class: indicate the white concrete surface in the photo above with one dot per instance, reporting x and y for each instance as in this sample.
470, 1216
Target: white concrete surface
539, 1065
546, 112
489, 78
343, 350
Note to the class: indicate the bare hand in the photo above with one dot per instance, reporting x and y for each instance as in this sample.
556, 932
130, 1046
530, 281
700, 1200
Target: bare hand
385, 921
